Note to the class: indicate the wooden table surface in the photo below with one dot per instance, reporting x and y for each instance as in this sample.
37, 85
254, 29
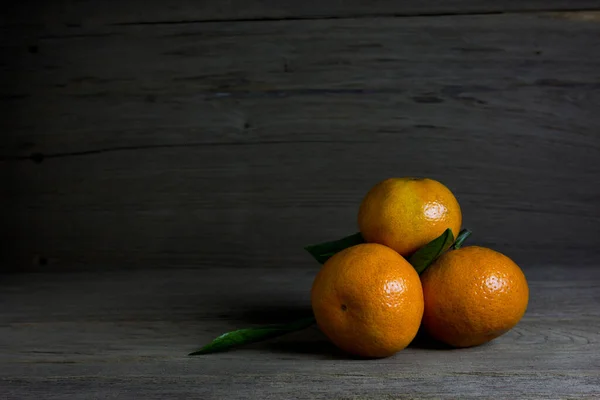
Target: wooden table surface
126, 334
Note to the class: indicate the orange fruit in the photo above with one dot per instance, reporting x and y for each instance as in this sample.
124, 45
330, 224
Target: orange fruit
473, 295
407, 213
368, 300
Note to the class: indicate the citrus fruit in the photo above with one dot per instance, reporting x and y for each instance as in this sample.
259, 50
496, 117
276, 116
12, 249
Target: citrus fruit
407, 213
472, 295
368, 300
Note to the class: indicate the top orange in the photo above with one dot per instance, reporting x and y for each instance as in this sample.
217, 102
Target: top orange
407, 213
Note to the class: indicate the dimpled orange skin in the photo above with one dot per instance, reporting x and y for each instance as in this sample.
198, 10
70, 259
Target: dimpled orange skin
407, 213
368, 300
473, 295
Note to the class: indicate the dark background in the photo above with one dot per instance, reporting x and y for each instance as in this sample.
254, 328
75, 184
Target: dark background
234, 133
163, 164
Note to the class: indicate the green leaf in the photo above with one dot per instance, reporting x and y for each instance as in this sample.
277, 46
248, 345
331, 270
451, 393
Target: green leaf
427, 254
462, 236
323, 251
250, 335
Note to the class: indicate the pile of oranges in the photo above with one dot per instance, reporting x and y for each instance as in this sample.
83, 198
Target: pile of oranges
371, 302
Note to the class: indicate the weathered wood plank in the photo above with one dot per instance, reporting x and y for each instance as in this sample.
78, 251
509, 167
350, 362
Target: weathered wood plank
95, 12
186, 382
212, 144
259, 205
252, 82
61, 333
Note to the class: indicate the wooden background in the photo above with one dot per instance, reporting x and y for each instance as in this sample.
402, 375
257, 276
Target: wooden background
234, 133
162, 167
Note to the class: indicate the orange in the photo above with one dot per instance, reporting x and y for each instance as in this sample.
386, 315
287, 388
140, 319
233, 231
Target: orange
368, 300
473, 295
407, 213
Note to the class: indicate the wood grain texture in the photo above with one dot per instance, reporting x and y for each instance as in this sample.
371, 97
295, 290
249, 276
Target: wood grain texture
236, 144
69, 13
125, 334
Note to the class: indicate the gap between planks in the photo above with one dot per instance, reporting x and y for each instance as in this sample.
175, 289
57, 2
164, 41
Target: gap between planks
592, 14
